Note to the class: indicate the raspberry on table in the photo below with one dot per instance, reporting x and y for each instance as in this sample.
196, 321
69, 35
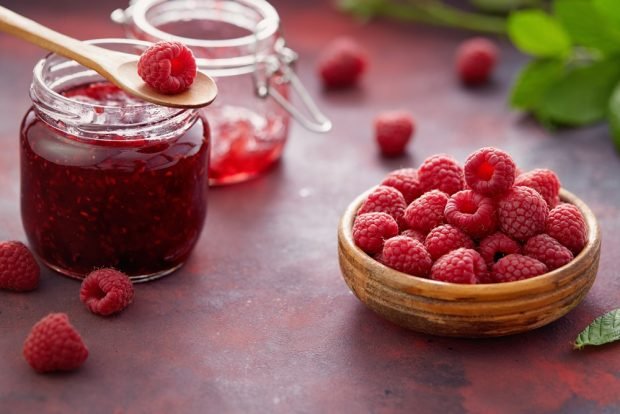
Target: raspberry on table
393, 131
53, 344
406, 181
545, 181
414, 234
522, 213
517, 267
444, 239
490, 171
406, 255
370, 230
497, 245
471, 212
441, 172
567, 225
342, 64
464, 266
547, 250
168, 67
384, 199
19, 271
426, 212
475, 60
106, 291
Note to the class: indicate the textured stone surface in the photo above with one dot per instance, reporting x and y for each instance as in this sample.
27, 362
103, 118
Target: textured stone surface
259, 320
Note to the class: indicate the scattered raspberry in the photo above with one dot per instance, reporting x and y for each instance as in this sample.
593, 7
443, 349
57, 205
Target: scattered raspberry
393, 130
441, 172
517, 267
414, 234
168, 67
385, 200
19, 270
497, 245
566, 224
406, 255
53, 344
522, 213
106, 291
546, 182
444, 239
406, 181
342, 64
460, 266
490, 171
475, 60
547, 250
426, 212
371, 229
471, 212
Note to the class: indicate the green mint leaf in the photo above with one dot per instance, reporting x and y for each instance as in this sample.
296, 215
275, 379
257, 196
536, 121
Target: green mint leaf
614, 116
586, 26
533, 81
609, 9
582, 95
603, 330
538, 34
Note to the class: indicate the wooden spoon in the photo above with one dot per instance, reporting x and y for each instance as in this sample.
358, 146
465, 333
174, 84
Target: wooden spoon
119, 68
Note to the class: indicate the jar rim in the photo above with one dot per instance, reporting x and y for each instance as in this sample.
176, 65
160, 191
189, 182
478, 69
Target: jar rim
266, 27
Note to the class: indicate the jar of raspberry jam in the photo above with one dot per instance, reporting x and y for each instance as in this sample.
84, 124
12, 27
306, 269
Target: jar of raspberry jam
239, 43
108, 180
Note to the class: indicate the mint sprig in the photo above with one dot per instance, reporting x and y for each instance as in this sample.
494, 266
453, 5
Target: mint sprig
603, 330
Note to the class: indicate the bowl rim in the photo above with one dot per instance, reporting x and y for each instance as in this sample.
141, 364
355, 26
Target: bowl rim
452, 291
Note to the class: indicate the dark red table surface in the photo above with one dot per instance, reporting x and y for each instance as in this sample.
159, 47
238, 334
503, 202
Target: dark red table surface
259, 319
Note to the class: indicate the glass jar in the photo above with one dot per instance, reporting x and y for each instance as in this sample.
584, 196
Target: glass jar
108, 180
238, 43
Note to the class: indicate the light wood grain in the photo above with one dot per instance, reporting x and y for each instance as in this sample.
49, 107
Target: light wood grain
449, 309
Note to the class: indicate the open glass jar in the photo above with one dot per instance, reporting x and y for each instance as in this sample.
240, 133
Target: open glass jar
238, 42
108, 180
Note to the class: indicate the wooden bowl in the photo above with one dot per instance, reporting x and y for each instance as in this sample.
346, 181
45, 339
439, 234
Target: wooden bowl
449, 309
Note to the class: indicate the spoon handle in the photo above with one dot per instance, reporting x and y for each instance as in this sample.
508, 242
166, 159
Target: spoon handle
35, 33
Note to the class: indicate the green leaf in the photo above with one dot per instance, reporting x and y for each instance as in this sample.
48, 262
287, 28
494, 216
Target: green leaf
503, 6
614, 116
533, 81
582, 95
538, 34
609, 9
586, 26
603, 330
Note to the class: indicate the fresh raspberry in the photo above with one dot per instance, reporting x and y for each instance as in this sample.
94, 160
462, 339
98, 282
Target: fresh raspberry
342, 63
490, 171
106, 291
444, 239
441, 172
460, 266
546, 182
522, 213
406, 181
393, 131
371, 229
547, 250
517, 267
566, 224
471, 212
168, 67
426, 212
385, 199
414, 234
497, 245
475, 60
406, 255
53, 344
19, 270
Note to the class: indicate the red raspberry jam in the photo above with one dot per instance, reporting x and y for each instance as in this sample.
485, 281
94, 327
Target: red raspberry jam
117, 199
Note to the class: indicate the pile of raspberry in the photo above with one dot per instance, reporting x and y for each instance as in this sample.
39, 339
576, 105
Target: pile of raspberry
481, 223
